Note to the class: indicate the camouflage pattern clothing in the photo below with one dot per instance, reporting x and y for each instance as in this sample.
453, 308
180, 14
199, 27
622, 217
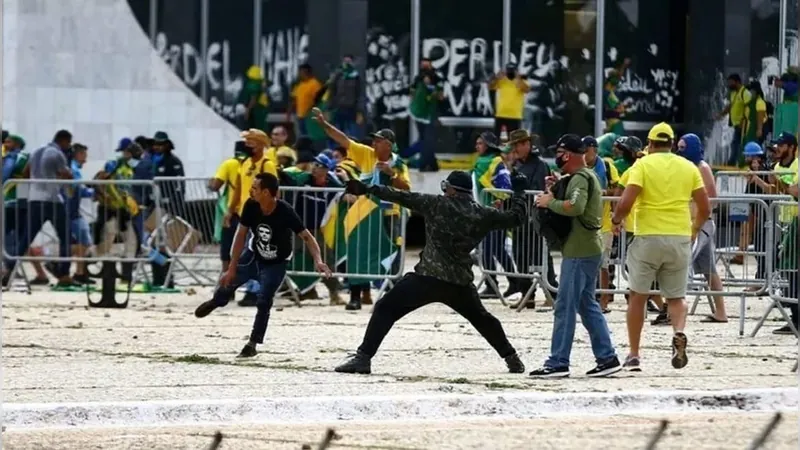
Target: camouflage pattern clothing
454, 225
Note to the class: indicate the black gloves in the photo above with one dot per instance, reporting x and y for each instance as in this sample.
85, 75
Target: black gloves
519, 182
356, 187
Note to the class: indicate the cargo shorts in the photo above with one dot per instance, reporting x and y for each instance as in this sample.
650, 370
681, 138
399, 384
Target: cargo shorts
664, 259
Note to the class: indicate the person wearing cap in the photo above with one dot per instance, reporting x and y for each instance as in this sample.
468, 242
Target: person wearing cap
225, 179
756, 160
627, 150
254, 98
785, 182
527, 245
454, 225
738, 99
613, 108
704, 257
255, 163
663, 184
312, 205
167, 164
379, 165
510, 88
490, 172
582, 253
608, 176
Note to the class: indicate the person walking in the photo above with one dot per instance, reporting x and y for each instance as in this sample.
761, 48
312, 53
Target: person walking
582, 252
269, 224
662, 184
454, 225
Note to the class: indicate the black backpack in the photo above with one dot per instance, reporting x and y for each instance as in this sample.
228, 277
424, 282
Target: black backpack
555, 228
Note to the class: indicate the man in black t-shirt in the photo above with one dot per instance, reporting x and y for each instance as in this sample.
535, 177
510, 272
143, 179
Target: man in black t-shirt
267, 224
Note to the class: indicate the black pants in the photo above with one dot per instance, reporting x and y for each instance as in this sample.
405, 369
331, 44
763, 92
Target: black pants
794, 287
494, 248
528, 252
414, 291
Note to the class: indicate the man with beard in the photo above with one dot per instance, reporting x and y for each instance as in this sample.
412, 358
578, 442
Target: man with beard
454, 225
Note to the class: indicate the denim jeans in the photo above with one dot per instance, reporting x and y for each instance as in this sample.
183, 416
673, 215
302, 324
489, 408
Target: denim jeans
576, 296
736, 146
269, 276
39, 213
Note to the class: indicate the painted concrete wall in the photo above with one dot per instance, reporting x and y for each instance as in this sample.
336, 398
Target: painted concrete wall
87, 66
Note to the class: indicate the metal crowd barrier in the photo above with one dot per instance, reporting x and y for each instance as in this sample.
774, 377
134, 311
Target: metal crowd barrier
89, 221
361, 239
738, 267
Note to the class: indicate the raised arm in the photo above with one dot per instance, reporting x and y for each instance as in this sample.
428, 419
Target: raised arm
420, 203
334, 133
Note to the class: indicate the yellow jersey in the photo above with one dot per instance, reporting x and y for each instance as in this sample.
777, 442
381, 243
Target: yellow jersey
739, 101
364, 157
667, 181
304, 93
509, 99
788, 175
613, 175
247, 173
228, 172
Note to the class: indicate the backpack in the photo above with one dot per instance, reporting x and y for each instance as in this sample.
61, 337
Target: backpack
555, 228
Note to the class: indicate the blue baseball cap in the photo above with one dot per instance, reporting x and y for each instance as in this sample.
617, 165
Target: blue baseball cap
753, 149
785, 138
325, 162
589, 141
123, 144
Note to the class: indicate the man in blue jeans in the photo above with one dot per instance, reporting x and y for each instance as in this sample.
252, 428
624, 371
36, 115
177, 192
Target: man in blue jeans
272, 223
582, 252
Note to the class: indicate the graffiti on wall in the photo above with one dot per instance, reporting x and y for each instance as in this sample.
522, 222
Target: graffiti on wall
280, 54
386, 76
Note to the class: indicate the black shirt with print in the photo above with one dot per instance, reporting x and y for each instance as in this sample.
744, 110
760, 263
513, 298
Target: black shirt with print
272, 234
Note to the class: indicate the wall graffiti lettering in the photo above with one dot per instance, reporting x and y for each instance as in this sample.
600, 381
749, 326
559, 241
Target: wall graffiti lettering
281, 53
387, 78
194, 68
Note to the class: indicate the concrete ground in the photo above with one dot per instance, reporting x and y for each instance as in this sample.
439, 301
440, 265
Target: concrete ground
56, 349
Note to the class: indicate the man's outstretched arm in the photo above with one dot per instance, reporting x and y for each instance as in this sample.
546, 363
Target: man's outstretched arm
419, 203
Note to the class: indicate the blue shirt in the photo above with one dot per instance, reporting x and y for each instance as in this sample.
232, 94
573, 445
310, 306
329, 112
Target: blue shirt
9, 161
80, 192
600, 171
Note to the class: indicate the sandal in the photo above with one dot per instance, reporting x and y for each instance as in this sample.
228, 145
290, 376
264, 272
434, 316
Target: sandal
711, 319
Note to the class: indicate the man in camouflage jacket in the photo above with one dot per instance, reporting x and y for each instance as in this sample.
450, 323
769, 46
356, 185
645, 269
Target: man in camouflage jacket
454, 225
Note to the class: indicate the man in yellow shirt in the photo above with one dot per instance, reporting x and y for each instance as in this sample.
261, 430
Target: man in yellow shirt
257, 163
379, 165
510, 89
662, 183
226, 177
278, 138
739, 97
304, 97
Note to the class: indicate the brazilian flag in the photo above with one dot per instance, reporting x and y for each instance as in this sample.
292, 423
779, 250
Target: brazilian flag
370, 251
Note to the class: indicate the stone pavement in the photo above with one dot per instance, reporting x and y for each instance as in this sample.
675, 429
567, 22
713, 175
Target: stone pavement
57, 350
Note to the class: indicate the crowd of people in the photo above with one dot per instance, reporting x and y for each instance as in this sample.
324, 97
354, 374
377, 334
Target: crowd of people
665, 193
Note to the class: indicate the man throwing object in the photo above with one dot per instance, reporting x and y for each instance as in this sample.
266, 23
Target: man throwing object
272, 222
454, 225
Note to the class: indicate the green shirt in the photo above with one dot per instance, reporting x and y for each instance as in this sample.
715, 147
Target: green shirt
582, 242
423, 103
622, 165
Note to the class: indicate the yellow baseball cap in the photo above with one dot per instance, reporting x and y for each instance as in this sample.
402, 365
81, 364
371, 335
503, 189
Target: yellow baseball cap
661, 132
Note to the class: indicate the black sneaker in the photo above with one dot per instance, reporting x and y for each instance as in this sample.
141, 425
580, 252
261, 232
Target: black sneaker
632, 364
679, 343
784, 330
353, 305
248, 351
205, 309
550, 372
651, 307
661, 319
250, 299
605, 369
514, 364
358, 363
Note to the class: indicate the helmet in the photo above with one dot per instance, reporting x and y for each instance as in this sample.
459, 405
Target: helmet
753, 149
631, 144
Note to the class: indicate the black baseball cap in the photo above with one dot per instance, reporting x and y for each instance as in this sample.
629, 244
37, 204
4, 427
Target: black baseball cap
589, 141
571, 143
458, 180
786, 138
384, 134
